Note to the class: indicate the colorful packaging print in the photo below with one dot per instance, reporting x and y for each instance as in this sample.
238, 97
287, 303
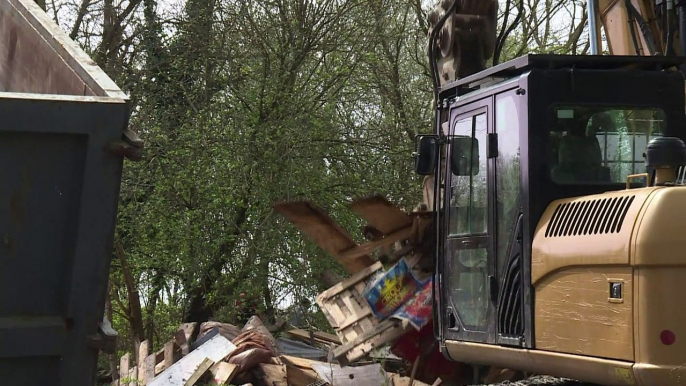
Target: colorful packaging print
392, 290
418, 310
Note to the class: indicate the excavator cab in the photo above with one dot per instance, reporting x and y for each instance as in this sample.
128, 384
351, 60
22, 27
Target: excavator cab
538, 168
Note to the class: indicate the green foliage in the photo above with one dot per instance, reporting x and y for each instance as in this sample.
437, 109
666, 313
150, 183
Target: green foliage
245, 103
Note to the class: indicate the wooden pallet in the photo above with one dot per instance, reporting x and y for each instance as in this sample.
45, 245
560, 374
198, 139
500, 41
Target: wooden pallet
348, 312
132, 372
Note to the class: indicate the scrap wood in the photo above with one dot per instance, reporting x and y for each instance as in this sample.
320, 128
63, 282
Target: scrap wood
319, 336
345, 284
184, 335
381, 214
299, 370
351, 376
367, 248
272, 375
229, 331
222, 373
405, 381
384, 333
323, 231
169, 354
300, 377
216, 349
299, 362
199, 372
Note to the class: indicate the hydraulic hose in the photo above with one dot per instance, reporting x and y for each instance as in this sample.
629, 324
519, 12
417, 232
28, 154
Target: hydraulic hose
682, 31
635, 16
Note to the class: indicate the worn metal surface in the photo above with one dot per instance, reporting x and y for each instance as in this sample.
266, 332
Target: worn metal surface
299, 349
58, 201
36, 56
59, 189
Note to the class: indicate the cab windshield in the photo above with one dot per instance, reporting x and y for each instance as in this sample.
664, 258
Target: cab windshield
601, 145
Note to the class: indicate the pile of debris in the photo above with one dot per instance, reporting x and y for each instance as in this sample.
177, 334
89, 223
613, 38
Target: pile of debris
224, 354
388, 300
386, 304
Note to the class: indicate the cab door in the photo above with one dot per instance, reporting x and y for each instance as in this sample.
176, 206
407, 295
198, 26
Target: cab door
468, 263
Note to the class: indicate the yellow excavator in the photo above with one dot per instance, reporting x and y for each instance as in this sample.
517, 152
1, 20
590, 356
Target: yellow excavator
559, 187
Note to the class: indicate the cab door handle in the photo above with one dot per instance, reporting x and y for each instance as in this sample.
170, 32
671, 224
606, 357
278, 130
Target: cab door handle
493, 287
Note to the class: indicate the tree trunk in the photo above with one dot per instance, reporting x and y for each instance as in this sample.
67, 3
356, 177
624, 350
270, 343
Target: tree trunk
135, 311
112, 358
153, 298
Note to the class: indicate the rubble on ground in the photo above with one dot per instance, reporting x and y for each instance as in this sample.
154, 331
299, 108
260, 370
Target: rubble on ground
381, 315
223, 354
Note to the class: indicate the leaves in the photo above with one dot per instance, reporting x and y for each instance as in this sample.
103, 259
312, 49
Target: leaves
244, 103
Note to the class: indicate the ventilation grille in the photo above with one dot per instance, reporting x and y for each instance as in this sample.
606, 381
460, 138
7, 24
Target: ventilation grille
600, 216
510, 320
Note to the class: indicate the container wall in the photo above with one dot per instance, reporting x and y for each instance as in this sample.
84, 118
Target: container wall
59, 189
37, 56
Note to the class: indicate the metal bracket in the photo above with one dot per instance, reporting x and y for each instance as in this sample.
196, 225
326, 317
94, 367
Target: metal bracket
105, 339
129, 146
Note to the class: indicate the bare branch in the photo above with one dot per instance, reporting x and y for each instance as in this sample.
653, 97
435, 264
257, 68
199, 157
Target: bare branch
83, 10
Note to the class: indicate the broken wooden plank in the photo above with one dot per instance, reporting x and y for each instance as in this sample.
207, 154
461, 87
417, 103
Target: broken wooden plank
300, 377
199, 372
215, 349
342, 286
323, 231
272, 375
299, 362
319, 336
366, 249
381, 214
133, 376
169, 354
183, 336
173, 350
223, 373
150, 367
363, 344
124, 363
142, 354
405, 381
351, 376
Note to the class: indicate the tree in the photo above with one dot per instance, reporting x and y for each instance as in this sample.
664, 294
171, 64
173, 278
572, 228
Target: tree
245, 103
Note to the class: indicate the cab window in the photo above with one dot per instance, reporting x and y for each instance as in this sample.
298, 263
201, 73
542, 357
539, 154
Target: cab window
599, 144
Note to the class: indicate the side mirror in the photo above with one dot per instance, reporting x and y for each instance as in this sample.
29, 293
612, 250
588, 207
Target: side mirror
426, 154
462, 148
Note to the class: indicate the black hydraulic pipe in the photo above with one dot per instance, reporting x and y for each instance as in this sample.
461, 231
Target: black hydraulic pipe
632, 28
682, 31
635, 16
669, 49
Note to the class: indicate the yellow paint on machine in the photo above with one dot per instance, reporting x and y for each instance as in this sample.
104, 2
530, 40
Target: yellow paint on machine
625, 375
608, 283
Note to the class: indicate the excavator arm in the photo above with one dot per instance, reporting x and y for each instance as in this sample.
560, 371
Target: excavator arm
462, 38
463, 32
640, 27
